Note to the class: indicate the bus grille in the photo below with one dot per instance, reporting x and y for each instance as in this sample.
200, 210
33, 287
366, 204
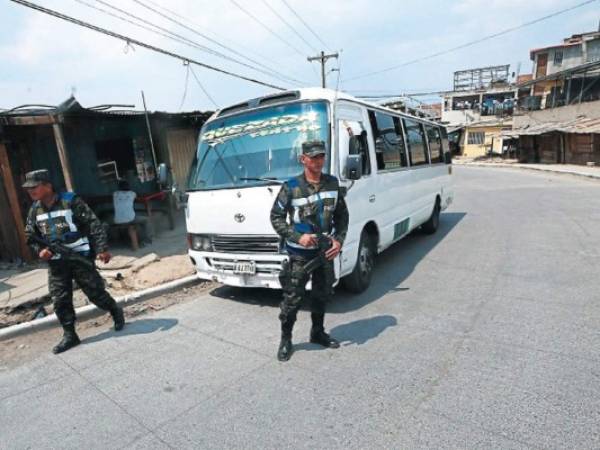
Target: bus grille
228, 243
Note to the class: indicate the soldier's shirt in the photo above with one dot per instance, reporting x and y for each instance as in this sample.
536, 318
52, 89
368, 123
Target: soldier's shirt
68, 220
302, 207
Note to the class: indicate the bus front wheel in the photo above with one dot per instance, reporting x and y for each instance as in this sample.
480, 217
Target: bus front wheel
433, 223
360, 278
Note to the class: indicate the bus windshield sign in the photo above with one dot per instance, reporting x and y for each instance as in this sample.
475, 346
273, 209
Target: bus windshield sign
255, 147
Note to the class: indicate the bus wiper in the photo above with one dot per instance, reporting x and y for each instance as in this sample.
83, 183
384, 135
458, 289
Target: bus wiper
271, 179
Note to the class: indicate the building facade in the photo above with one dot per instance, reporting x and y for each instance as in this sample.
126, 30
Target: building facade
479, 109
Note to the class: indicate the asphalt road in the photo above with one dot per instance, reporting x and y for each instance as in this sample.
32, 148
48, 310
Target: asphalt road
485, 335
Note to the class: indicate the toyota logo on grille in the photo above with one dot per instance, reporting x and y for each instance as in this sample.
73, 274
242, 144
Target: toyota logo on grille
239, 218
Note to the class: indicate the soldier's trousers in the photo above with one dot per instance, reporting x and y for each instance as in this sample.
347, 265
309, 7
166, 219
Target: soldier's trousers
294, 291
60, 281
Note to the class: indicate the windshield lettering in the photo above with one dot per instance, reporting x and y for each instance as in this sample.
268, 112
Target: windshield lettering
255, 147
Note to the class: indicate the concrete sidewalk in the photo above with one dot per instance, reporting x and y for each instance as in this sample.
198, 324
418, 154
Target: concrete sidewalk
568, 169
23, 289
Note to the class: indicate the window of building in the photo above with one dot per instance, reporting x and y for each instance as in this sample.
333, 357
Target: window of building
476, 138
389, 145
435, 144
417, 147
558, 57
115, 158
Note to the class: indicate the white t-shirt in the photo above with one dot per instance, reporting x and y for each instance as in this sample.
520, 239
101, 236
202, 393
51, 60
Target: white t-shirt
123, 204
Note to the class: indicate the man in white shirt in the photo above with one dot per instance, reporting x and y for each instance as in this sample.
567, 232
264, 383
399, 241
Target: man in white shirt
123, 203
124, 211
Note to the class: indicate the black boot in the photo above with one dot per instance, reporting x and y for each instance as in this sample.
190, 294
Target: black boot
69, 340
284, 353
317, 332
118, 318
285, 348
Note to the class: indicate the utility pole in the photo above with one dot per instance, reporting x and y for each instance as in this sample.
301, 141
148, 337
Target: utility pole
323, 59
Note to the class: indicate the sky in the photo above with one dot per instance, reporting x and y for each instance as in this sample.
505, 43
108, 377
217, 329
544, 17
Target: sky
45, 59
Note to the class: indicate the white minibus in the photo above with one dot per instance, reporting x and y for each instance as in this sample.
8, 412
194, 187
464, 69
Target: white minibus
395, 168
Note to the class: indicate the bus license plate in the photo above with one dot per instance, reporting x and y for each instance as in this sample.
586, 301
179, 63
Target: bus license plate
245, 268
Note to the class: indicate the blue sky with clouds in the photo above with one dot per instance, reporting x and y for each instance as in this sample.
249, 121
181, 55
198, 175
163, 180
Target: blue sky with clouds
46, 59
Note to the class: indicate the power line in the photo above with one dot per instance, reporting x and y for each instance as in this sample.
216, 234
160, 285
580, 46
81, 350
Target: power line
130, 40
405, 94
178, 37
167, 34
305, 24
179, 16
204, 90
253, 17
291, 27
477, 41
185, 88
271, 70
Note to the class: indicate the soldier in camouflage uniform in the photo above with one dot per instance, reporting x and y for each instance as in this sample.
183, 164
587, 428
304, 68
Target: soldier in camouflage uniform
315, 206
66, 219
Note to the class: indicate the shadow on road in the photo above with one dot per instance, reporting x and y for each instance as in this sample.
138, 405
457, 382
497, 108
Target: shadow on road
363, 330
357, 332
393, 267
142, 326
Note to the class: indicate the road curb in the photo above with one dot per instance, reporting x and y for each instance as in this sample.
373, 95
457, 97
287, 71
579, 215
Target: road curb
88, 311
539, 169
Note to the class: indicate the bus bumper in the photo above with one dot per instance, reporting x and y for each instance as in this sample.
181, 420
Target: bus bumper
224, 268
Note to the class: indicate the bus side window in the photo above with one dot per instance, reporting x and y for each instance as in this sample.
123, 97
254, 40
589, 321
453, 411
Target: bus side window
446, 146
357, 142
417, 146
400, 133
388, 145
435, 144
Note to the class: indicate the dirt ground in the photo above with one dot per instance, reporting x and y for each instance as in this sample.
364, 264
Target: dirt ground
16, 351
123, 276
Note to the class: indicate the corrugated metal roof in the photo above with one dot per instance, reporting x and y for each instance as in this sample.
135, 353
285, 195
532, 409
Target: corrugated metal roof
581, 125
71, 107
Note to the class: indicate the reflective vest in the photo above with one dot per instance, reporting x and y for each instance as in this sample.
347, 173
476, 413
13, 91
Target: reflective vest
57, 224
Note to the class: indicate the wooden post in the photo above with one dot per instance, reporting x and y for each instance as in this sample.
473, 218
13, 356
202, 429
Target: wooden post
13, 199
62, 154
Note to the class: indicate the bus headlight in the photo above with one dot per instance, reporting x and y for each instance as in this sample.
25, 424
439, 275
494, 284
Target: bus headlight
200, 242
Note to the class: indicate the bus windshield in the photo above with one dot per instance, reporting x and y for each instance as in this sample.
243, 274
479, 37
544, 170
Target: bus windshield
257, 147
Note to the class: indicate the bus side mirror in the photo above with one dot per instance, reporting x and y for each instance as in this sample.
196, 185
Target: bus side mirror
163, 174
354, 167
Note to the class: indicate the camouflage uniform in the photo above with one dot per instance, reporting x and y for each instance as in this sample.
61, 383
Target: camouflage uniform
312, 209
71, 222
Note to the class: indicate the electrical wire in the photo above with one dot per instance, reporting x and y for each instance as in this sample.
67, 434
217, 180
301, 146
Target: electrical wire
203, 89
306, 24
169, 36
257, 20
185, 87
180, 38
468, 44
269, 69
195, 24
290, 26
130, 40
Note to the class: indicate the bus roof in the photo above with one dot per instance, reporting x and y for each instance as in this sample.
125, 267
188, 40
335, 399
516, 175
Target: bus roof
309, 93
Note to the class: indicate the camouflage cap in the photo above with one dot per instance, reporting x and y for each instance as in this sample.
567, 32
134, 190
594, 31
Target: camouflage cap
36, 177
313, 148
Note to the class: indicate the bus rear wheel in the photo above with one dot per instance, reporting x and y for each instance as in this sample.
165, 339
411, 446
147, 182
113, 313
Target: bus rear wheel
360, 278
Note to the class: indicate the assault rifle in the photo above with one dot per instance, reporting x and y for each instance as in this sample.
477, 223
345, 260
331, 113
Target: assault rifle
323, 244
63, 251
